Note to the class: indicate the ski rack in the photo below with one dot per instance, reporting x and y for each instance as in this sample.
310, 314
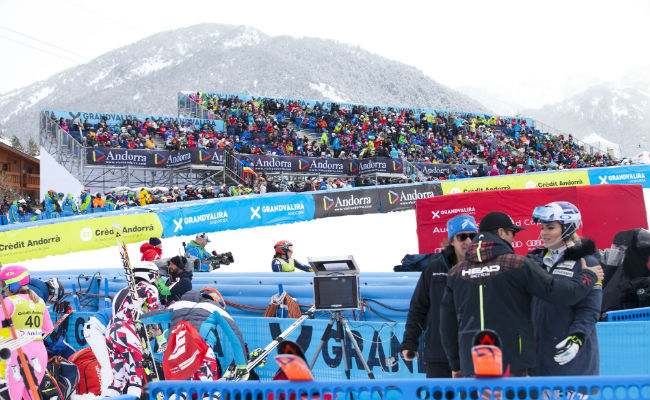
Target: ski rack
235, 373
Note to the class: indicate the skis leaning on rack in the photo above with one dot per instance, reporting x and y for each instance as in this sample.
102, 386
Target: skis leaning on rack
148, 361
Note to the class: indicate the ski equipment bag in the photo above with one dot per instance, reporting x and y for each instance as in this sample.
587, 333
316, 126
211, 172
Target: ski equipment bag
89, 371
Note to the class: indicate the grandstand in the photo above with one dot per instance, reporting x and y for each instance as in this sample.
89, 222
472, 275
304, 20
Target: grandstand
206, 147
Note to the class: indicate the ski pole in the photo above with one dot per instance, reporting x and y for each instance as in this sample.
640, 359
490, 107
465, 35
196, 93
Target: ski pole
57, 323
277, 340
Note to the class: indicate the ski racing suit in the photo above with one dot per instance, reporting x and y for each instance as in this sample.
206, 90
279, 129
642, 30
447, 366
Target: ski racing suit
30, 319
124, 345
95, 334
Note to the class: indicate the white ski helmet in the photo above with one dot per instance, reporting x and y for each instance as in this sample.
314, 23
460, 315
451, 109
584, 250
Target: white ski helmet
146, 270
561, 211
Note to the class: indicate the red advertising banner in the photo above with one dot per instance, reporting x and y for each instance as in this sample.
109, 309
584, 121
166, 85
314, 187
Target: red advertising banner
605, 210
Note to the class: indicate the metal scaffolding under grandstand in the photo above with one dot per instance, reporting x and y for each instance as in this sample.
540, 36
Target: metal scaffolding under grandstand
71, 154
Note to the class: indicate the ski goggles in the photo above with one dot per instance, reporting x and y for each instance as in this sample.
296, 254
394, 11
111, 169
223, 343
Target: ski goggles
543, 214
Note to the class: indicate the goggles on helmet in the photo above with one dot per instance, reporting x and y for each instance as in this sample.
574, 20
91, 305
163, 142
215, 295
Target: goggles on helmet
543, 214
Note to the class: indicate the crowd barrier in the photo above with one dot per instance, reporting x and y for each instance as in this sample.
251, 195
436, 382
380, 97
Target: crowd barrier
593, 387
634, 314
624, 346
37, 239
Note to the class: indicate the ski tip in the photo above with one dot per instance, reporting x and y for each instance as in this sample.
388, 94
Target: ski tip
117, 226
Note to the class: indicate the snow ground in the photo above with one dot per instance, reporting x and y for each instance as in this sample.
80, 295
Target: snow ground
377, 241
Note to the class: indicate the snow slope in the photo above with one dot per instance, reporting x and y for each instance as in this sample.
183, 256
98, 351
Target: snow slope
377, 241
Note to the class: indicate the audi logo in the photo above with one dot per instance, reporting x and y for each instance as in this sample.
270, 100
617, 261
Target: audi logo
534, 243
516, 244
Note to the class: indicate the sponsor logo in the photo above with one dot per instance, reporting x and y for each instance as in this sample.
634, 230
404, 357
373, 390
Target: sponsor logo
271, 164
179, 349
392, 197
178, 224
86, 234
202, 218
354, 166
397, 165
516, 244
566, 265
159, 158
126, 156
479, 272
455, 190
98, 155
328, 203
563, 272
636, 176
531, 185
283, 208
534, 243
302, 164
452, 211
179, 158
204, 155
255, 212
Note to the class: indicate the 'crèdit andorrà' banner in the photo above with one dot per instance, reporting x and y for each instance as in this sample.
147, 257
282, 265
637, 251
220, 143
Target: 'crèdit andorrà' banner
518, 181
73, 236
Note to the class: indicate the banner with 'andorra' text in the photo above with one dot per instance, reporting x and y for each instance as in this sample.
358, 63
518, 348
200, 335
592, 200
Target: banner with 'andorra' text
73, 236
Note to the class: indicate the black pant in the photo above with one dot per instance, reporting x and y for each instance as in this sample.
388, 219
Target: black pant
438, 370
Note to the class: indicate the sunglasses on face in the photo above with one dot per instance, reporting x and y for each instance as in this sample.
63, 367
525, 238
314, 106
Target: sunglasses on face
463, 236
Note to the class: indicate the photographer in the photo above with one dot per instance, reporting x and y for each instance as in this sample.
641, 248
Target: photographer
209, 262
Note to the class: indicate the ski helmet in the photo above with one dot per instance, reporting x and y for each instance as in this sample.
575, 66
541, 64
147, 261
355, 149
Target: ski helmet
283, 247
561, 211
146, 270
14, 276
55, 289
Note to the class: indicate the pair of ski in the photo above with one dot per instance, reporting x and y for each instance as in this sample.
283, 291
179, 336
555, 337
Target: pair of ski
148, 361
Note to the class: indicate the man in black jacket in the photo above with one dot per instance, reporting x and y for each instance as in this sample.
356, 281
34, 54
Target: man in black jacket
424, 310
179, 282
492, 289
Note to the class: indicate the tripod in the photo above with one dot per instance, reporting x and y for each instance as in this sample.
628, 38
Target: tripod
342, 326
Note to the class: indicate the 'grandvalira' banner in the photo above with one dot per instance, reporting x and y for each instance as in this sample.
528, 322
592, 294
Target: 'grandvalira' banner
346, 202
403, 197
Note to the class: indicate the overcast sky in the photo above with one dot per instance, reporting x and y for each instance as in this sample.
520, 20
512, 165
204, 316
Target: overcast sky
526, 51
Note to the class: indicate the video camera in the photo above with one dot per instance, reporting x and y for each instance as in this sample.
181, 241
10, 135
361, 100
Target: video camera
216, 260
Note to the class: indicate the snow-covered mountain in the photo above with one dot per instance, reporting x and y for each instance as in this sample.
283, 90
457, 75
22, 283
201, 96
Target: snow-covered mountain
617, 111
145, 77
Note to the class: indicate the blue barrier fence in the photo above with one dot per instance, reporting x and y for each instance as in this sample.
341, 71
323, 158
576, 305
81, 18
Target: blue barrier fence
596, 387
634, 314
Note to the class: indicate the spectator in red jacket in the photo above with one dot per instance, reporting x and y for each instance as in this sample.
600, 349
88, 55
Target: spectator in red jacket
151, 250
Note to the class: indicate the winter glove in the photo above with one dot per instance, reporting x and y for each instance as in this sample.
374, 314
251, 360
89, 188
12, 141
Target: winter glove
162, 288
567, 349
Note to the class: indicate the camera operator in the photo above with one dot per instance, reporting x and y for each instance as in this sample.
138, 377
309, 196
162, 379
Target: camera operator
627, 277
209, 262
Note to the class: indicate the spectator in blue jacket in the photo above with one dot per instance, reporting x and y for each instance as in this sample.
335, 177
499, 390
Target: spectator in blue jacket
51, 205
14, 215
69, 207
